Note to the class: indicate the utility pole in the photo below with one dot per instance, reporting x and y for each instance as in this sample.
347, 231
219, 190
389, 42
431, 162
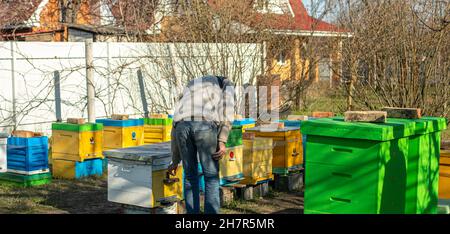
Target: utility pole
90, 81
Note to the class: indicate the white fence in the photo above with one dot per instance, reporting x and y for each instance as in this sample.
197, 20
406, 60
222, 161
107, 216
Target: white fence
27, 77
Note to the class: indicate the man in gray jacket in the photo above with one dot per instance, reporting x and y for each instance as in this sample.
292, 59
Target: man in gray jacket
202, 122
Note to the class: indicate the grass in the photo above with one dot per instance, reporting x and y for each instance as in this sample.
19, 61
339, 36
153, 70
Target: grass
85, 196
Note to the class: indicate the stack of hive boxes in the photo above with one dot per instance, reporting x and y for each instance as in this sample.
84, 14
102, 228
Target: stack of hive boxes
372, 168
27, 160
287, 147
231, 168
257, 159
157, 129
77, 150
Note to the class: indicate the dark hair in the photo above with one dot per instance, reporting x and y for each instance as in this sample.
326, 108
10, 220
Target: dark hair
221, 81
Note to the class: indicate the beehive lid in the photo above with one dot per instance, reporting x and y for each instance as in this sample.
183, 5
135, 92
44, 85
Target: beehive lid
262, 129
337, 127
145, 153
4, 135
88, 127
425, 125
121, 123
240, 122
158, 121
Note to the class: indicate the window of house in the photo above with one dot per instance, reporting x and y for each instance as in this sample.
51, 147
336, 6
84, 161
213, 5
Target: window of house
324, 69
282, 57
262, 5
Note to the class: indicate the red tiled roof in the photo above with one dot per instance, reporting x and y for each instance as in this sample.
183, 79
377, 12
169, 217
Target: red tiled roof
16, 12
301, 21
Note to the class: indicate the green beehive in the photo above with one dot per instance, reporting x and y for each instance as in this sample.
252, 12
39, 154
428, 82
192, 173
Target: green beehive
235, 137
423, 164
356, 168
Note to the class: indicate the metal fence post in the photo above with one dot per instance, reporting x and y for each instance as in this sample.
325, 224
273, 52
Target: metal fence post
90, 80
57, 96
13, 86
142, 89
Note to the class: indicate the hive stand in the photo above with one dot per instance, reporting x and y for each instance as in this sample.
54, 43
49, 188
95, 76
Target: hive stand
243, 192
290, 182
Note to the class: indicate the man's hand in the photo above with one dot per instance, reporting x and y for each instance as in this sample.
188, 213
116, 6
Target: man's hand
172, 169
221, 148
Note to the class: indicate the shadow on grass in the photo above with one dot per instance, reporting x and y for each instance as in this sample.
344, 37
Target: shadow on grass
87, 196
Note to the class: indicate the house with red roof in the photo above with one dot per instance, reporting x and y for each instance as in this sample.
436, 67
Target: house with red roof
292, 29
57, 20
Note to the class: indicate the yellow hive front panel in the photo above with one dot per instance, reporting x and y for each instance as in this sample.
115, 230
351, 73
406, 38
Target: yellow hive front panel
259, 149
157, 134
445, 157
288, 150
444, 181
257, 170
77, 146
63, 169
163, 190
112, 138
294, 151
133, 136
232, 163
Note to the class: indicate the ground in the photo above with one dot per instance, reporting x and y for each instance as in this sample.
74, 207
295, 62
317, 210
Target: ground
89, 196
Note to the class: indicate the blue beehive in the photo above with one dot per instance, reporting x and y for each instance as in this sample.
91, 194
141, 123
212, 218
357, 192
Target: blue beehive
27, 154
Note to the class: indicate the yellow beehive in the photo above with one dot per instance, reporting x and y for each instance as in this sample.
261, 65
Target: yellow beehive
257, 160
122, 133
117, 137
157, 133
163, 190
77, 142
287, 148
444, 175
231, 165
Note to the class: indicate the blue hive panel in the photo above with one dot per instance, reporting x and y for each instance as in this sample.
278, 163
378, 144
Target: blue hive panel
27, 154
121, 123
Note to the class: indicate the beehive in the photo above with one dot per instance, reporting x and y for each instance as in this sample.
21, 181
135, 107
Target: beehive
122, 133
77, 142
138, 176
444, 174
66, 169
27, 155
231, 168
371, 168
287, 148
157, 130
257, 160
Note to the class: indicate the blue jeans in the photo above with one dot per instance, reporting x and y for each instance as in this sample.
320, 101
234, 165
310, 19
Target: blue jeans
199, 137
